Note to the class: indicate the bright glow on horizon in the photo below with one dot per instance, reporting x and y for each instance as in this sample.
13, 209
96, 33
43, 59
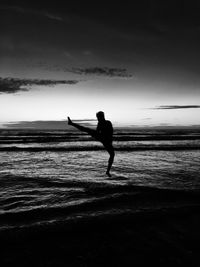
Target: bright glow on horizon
78, 102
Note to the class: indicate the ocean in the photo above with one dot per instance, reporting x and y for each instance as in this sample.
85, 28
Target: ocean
49, 177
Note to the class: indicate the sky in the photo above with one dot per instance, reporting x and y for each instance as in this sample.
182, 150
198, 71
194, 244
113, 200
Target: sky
137, 62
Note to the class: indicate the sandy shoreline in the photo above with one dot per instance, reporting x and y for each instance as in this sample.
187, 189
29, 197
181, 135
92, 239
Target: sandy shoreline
163, 238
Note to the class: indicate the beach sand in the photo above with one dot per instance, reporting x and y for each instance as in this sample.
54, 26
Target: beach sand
169, 237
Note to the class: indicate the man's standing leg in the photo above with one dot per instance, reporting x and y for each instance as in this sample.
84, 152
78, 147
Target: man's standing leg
111, 152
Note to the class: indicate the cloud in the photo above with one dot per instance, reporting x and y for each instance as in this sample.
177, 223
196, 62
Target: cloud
90, 71
33, 12
52, 16
177, 107
103, 71
145, 119
13, 85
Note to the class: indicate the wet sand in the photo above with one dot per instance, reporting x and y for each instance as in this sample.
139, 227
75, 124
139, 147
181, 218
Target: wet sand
167, 237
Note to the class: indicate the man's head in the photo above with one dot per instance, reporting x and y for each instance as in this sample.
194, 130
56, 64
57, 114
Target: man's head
100, 116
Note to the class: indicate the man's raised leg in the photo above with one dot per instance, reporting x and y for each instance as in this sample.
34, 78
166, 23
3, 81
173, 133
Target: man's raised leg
83, 129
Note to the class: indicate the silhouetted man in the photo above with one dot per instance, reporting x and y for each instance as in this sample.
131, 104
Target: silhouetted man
103, 133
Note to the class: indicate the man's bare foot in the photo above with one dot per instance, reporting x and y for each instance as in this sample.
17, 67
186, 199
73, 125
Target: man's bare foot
109, 175
69, 121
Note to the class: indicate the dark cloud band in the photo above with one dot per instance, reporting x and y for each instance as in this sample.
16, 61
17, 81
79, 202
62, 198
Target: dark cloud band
178, 107
103, 71
14, 85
